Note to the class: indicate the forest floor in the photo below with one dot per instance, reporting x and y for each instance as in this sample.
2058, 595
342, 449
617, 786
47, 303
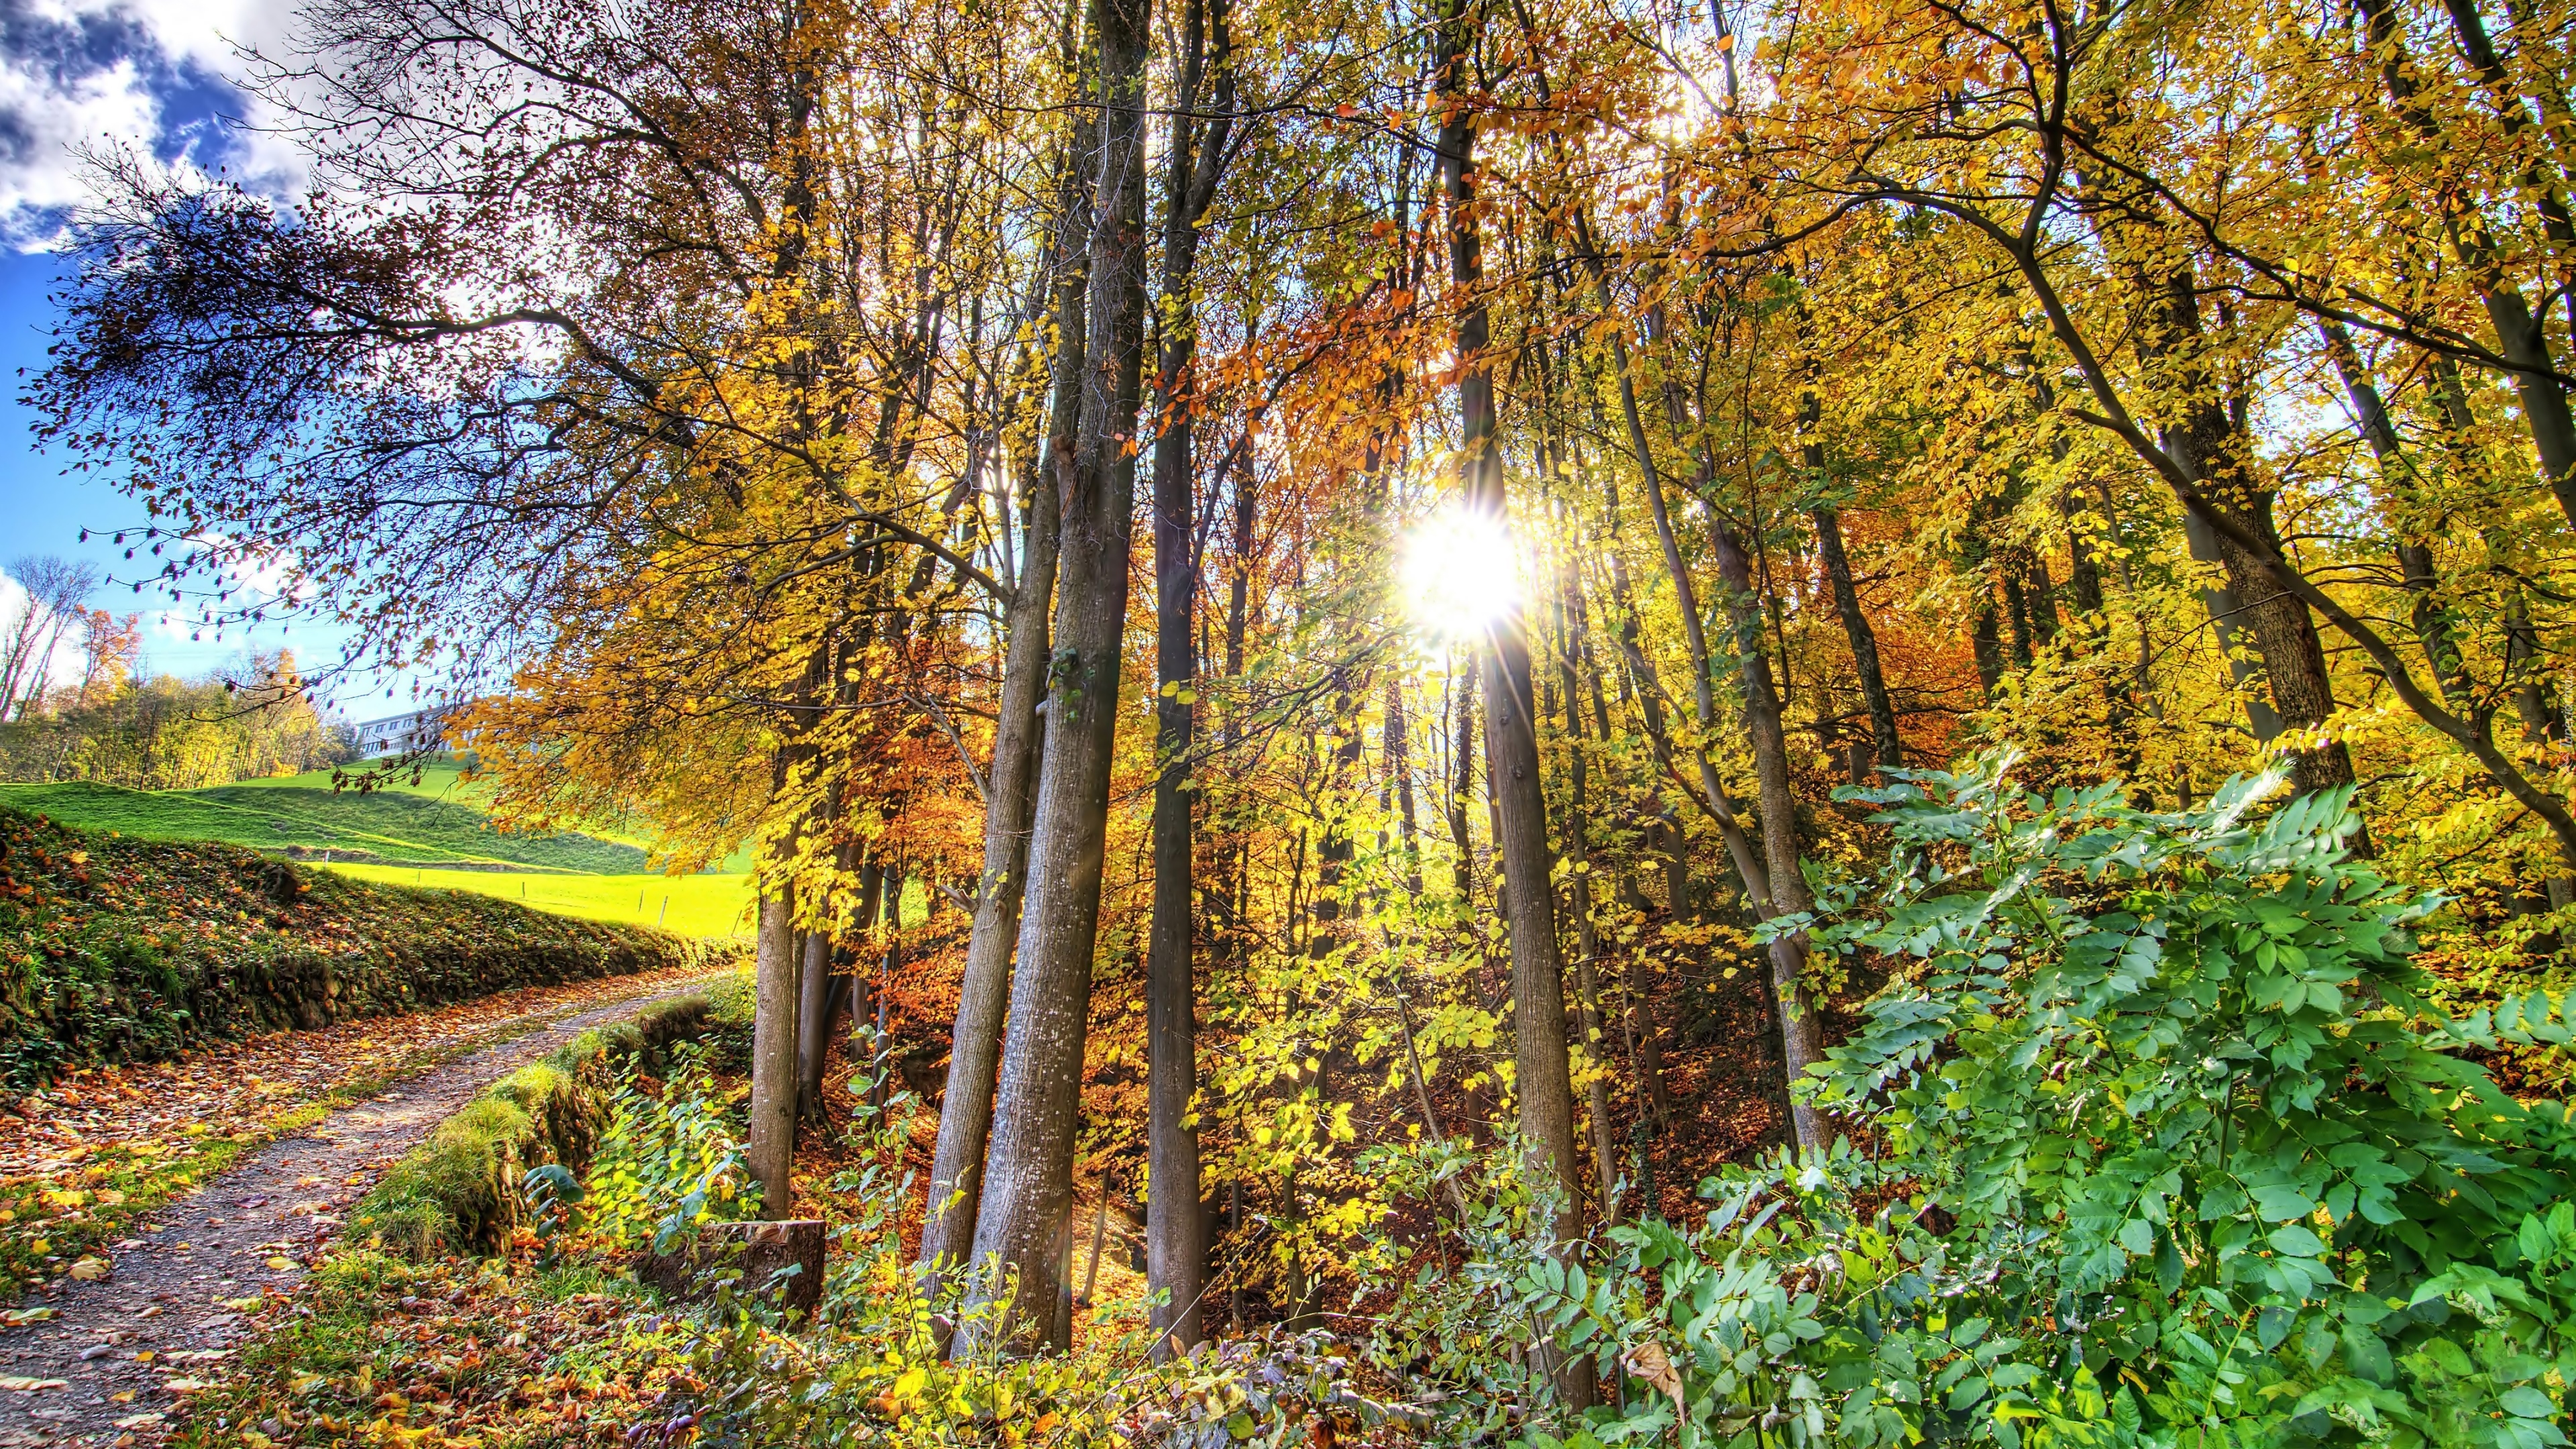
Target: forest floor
283, 1131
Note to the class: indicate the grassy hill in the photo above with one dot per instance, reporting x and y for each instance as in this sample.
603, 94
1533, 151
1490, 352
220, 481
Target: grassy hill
114, 948
443, 777
385, 826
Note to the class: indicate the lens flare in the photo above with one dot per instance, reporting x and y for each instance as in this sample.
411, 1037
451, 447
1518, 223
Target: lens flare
1460, 572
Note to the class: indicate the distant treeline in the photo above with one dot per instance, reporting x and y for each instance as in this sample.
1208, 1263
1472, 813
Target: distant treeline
165, 733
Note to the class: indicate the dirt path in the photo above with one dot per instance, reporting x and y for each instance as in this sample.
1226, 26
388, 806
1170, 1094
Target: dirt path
107, 1368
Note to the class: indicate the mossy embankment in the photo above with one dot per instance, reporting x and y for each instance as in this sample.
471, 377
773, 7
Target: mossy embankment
462, 1189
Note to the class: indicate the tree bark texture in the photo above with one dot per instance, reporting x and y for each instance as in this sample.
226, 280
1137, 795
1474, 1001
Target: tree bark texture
1175, 1257
1542, 1081
1800, 1046
813, 1020
1010, 791
1885, 747
771, 1151
1029, 1163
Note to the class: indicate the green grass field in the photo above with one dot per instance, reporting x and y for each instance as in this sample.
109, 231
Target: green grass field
404, 833
391, 826
695, 905
152, 816
443, 777
456, 831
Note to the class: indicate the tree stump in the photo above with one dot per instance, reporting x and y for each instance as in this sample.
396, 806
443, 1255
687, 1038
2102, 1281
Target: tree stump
761, 1252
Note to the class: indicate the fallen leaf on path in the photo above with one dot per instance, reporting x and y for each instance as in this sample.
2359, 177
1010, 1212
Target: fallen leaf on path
22, 1384
73, 1154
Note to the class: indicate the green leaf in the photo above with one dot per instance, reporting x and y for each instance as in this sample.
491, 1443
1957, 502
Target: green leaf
2280, 1204
2525, 1402
2296, 1241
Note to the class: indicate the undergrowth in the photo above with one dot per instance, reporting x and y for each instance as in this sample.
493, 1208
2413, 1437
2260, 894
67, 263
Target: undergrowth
460, 1191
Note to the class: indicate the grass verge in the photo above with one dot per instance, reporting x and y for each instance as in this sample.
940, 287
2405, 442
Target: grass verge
459, 1190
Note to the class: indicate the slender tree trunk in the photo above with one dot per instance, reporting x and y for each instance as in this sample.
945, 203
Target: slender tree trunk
1396, 745
1884, 744
1587, 945
1029, 1163
1175, 1256
1541, 1081
1800, 1043
1772, 893
2084, 571
2521, 339
1644, 1042
1010, 793
1462, 759
771, 1152
813, 1022
2414, 557
1740, 850
1175, 1223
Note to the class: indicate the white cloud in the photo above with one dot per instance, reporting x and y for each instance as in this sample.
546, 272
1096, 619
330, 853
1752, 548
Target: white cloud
273, 575
55, 115
152, 77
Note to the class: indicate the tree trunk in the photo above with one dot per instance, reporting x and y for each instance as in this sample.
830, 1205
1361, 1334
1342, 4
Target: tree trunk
1174, 1255
1864, 641
1770, 891
2226, 617
1587, 945
1462, 760
771, 1152
2520, 338
2414, 557
1029, 1164
1541, 1081
814, 987
1800, 1044
1010, 792
1712, 792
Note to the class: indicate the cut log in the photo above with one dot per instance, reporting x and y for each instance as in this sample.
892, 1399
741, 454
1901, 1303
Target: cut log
760, 1252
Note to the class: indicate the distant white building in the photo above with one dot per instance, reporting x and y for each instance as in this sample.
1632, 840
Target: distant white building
398, 734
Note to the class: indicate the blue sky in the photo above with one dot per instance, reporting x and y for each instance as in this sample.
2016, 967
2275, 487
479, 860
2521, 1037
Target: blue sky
151, 75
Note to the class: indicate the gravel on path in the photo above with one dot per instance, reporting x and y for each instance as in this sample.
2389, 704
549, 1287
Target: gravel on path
106, 1370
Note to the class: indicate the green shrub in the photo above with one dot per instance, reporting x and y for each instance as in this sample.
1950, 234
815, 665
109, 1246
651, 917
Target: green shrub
2164, 1147
668, 1160
728, 1032
461, 1190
